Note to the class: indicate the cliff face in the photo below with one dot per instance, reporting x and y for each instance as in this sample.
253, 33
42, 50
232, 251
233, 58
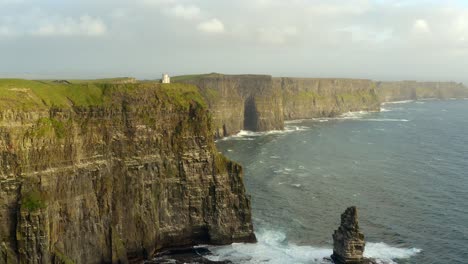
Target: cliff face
310, 98
112, 173
412, 90
239, 102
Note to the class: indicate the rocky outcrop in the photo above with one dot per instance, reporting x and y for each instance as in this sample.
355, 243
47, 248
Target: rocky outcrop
101, 173
348, 241
310, 98
240, 102
413, 90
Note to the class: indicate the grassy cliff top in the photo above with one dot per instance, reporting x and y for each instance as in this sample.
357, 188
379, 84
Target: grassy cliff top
40, 95
183, 78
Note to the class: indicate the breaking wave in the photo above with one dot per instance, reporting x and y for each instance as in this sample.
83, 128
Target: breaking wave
250, 135
273, 248
398, 102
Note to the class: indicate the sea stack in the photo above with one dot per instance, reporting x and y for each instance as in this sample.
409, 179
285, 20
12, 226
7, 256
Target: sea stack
348, 241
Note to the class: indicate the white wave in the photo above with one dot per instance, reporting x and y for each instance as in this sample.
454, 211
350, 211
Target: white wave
353, 115
385, 120
398, 102
273, 248
385, 110
249, 135
296, 121
388, 254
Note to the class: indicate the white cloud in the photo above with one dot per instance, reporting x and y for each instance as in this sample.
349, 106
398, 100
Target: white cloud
84, 26
421, 26
211, 26
188, 12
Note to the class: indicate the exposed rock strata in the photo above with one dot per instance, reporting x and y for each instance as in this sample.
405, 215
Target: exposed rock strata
240, 102
116, 181
310, 98
348, 241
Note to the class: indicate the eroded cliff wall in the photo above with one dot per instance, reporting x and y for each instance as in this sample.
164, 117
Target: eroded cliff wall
309, 98
413, 90
112, 173
238, 102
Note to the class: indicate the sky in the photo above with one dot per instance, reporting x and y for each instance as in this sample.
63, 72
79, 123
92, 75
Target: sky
374, 39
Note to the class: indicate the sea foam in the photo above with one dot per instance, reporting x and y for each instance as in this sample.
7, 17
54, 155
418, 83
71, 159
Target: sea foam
273, 248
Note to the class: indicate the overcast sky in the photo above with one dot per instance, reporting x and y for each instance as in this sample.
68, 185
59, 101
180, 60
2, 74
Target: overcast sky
377, 39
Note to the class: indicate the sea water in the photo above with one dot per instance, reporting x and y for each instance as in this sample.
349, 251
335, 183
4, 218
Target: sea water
405, 168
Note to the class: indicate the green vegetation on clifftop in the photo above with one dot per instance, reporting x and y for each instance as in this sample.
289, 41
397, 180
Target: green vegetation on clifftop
36, 95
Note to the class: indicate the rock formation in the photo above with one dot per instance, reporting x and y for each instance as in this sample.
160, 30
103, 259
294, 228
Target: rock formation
305, 98
348, 241
111, 173
413, 90
240, 102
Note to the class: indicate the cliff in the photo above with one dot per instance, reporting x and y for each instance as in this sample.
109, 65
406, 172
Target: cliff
238, 102
262, 103
309, 98
412, 90
111, 173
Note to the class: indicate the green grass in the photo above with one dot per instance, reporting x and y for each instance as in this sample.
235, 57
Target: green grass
183, 94
27, 94
104, 80
33, 201
182, 78
36, 95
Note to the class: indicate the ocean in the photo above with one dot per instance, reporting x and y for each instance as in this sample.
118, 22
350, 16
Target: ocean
405, 168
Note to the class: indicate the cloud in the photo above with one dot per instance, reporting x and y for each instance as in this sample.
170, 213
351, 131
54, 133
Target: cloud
84, 26
188, 12
212, 26
421, 26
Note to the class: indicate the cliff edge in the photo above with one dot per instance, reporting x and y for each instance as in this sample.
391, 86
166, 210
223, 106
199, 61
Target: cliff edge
111, 173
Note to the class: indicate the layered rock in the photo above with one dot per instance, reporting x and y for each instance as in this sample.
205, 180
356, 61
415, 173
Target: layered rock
348, 241
413, 90
310, 98
240, 102
101, 173
261, 103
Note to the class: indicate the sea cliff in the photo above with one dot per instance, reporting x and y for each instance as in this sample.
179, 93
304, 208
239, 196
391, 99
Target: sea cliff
262, 103
111, 173
310, 98
413, 90
240, 102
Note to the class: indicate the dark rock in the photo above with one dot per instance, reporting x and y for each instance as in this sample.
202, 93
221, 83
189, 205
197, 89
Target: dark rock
348, 241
